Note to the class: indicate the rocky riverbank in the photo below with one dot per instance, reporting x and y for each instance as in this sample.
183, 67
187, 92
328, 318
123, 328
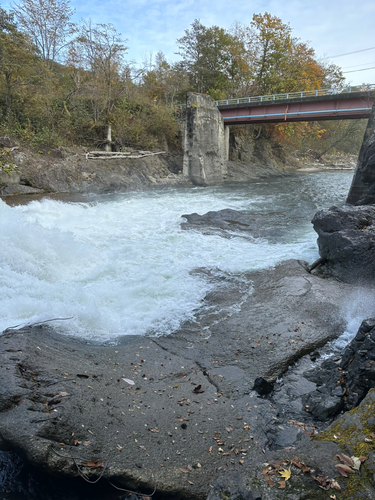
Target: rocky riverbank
179, 410
67, 170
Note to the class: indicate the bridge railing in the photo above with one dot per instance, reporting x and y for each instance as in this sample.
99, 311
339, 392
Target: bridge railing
296, 95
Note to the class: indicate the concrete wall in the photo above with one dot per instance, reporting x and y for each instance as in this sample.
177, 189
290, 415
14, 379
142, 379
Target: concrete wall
362, 190
203, 142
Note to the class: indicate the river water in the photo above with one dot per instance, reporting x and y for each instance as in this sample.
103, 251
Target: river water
121, 264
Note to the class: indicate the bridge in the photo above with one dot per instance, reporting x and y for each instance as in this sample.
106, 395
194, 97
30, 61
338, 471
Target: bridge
323, 104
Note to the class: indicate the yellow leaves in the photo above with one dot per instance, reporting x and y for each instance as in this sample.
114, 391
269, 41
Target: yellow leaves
285, 473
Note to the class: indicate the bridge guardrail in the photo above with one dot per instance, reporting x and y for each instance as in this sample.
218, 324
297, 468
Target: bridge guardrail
296, 95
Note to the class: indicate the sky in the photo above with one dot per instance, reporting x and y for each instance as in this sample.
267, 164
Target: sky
332, 27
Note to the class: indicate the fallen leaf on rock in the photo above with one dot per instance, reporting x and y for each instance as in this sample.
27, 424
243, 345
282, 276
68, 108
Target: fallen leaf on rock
60, 395
269, 481
344, 458
190, 482
367, 440
335, 484
323, 481
285, 473
301, 465
142, 448
95, 465
333, 497
356, 463
343, 469
86, 443
198, 389
184, 471
282, 485
209, 449
119, 447
276, 463
300, 425
128, 381
229, 429
155, 429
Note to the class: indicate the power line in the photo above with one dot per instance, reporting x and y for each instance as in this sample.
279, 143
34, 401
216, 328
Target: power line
349, 53
356, 70
358, 65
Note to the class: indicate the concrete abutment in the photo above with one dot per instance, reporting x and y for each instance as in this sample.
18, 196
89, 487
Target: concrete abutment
204, 141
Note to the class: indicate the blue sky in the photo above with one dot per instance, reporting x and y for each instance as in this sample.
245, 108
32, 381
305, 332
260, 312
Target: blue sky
333, 27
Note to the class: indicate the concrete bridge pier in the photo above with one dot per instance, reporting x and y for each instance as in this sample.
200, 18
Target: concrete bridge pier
204, 141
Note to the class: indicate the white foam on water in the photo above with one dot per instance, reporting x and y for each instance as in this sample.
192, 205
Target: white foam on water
122, 265
358, 306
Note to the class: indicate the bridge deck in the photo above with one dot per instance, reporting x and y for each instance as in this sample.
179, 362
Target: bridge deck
323, 104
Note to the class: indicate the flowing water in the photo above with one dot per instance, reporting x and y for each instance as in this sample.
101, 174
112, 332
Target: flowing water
121, 264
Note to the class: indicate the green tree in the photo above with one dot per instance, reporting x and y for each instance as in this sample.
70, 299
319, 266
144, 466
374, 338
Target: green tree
213, 58
16, 60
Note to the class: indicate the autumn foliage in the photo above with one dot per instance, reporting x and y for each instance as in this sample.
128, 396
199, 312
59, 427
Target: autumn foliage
62, 83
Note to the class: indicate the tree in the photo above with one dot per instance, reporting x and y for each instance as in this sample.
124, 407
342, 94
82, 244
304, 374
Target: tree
164, 82
16, 58
272, 42
96, 58
48, 24
213, 57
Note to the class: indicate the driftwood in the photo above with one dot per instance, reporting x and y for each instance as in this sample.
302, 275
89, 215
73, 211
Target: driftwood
109, 155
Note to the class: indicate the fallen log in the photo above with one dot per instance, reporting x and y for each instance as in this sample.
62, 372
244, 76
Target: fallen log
108, 155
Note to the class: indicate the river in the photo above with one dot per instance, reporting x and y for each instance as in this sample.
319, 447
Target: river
120, 264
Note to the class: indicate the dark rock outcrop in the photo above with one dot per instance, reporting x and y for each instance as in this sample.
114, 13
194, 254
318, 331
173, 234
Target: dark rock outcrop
362, 190
228, 222
347, 242
343, 383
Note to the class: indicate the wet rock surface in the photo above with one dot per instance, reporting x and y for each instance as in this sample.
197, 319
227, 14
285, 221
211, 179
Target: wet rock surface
346, 241
342, 383
191, 413
229, 222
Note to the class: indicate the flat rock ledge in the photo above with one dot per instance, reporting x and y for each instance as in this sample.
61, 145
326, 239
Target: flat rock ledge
179, 410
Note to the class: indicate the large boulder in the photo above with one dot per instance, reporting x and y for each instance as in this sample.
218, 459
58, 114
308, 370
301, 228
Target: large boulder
347, 242
362, 190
